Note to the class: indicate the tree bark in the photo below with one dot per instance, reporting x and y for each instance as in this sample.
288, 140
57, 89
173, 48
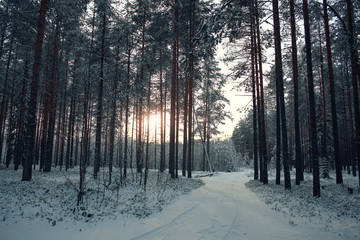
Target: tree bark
279, 77
162, 112
255, 133
313, 129
99, 117
11, 134
19, 146
191, 84
113, 114
354, 75
139, 146
339, 179
262, 101
173, 94
127, 112
147, 157
52, 106
32, 106
185, 131
4, 97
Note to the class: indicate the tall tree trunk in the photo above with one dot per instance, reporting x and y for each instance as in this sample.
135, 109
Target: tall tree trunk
165, 113
52, 106
120, 138
185, 136
339, 179
3, 30
191, 84
255, 133
113, 115
173, 94
147, 157
99, 116
127, 113
259, 124
279, 77
134, 116
72, 133
31, 116
77, 141
139, 145
155, 141
278, 136
85, 128
63, 128
68, 156
162, 113
177, 99
262, 101
354, 75
11, 134
19, 146
45, 121
352, 142
313, 129
307, 151
323, 139
205, 125
106, 131
4, 97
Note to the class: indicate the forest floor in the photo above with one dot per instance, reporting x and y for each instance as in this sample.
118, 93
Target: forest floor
223, 206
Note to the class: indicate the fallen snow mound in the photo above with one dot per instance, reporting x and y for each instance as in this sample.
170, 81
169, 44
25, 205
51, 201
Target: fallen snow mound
52, 196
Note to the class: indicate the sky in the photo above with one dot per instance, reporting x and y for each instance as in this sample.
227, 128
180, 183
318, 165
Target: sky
237, 99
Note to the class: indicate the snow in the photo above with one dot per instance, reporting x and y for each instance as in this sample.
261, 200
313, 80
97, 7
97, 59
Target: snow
337, 211
226, 206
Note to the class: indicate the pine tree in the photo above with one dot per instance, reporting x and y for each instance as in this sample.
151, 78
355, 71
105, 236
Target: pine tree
31, 115
313, 129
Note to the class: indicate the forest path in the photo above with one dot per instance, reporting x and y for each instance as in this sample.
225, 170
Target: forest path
222, 209
225, 209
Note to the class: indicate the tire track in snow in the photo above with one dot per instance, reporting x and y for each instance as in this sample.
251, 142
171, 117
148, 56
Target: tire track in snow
235, 221
165, 226
156, 232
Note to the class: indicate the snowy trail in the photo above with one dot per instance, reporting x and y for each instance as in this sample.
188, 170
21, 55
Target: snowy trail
222, 209
225, 209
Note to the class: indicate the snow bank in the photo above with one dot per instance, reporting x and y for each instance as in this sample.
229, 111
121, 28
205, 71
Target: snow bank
336, 208
52, 197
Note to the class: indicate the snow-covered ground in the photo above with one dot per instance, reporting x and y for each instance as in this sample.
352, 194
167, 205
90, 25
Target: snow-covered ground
337, 210
223, 208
